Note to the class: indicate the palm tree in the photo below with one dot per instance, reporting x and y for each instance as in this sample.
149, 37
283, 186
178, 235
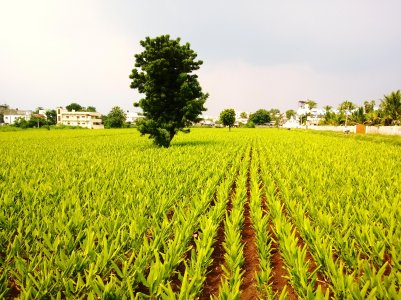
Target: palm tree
346, 107
391, 106
328, 116
290, 113
243, 115
327, 108
311, 104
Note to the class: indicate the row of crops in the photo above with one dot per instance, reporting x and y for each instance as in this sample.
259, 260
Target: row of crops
104, 214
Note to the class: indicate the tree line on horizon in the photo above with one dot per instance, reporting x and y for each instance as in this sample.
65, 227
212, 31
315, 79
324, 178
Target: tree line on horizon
388, 113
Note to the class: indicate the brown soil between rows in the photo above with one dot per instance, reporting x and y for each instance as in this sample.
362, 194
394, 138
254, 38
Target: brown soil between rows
213, 278
215, 272
251, 257
279, 272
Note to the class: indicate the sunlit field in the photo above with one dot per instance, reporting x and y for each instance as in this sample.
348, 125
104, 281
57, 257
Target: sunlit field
265, 213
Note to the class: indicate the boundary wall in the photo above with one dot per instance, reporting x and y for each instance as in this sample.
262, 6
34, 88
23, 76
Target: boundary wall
387, 130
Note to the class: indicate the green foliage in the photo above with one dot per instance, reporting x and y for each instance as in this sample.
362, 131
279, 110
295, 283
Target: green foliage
173, 96
311, 104
227, 117
21, 123
74, 106
358, 116
250, 124
290, 113
77, 107
260, 117
51, 116
115, 118
391, 106
92, 215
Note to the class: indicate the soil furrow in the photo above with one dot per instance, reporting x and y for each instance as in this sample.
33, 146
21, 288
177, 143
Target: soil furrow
279, 273
215, 272
251, 257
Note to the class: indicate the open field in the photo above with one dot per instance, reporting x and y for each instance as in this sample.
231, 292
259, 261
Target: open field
249, 213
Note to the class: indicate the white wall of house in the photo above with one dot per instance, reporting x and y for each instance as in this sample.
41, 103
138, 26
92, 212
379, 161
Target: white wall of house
11, 118
133, 116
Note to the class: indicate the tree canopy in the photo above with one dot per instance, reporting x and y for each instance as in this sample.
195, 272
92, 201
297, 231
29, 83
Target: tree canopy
243, 115
311, 104
290, 113
74, 106
227, 117
391, 106
78, 107
259, 117
116, 118
51, 116
173, 96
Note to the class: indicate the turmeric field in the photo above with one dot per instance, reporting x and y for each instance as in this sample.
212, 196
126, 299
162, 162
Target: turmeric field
246, 214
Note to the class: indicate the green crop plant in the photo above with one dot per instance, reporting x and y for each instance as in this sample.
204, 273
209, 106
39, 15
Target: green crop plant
103, 214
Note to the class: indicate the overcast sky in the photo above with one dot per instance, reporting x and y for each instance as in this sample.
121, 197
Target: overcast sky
256, 54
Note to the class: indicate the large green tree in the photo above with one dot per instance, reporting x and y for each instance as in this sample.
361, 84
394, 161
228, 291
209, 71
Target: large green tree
227, 117
391, 107
116, 118
259, 117
173, 96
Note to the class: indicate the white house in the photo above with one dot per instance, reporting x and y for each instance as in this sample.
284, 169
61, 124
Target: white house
11, 115
133, 116
85, 119
293, 122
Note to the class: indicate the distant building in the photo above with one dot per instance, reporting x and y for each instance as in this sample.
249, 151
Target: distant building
313, 115
3, 107
84, 119
133, 116
9, 115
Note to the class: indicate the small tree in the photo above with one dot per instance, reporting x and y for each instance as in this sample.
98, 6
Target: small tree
91, 109
51, 116
173, 96
290, 113
259, 117
227, 117
116, 118
21, 123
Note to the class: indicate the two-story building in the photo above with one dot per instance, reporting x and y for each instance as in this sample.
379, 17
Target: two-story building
84, 119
